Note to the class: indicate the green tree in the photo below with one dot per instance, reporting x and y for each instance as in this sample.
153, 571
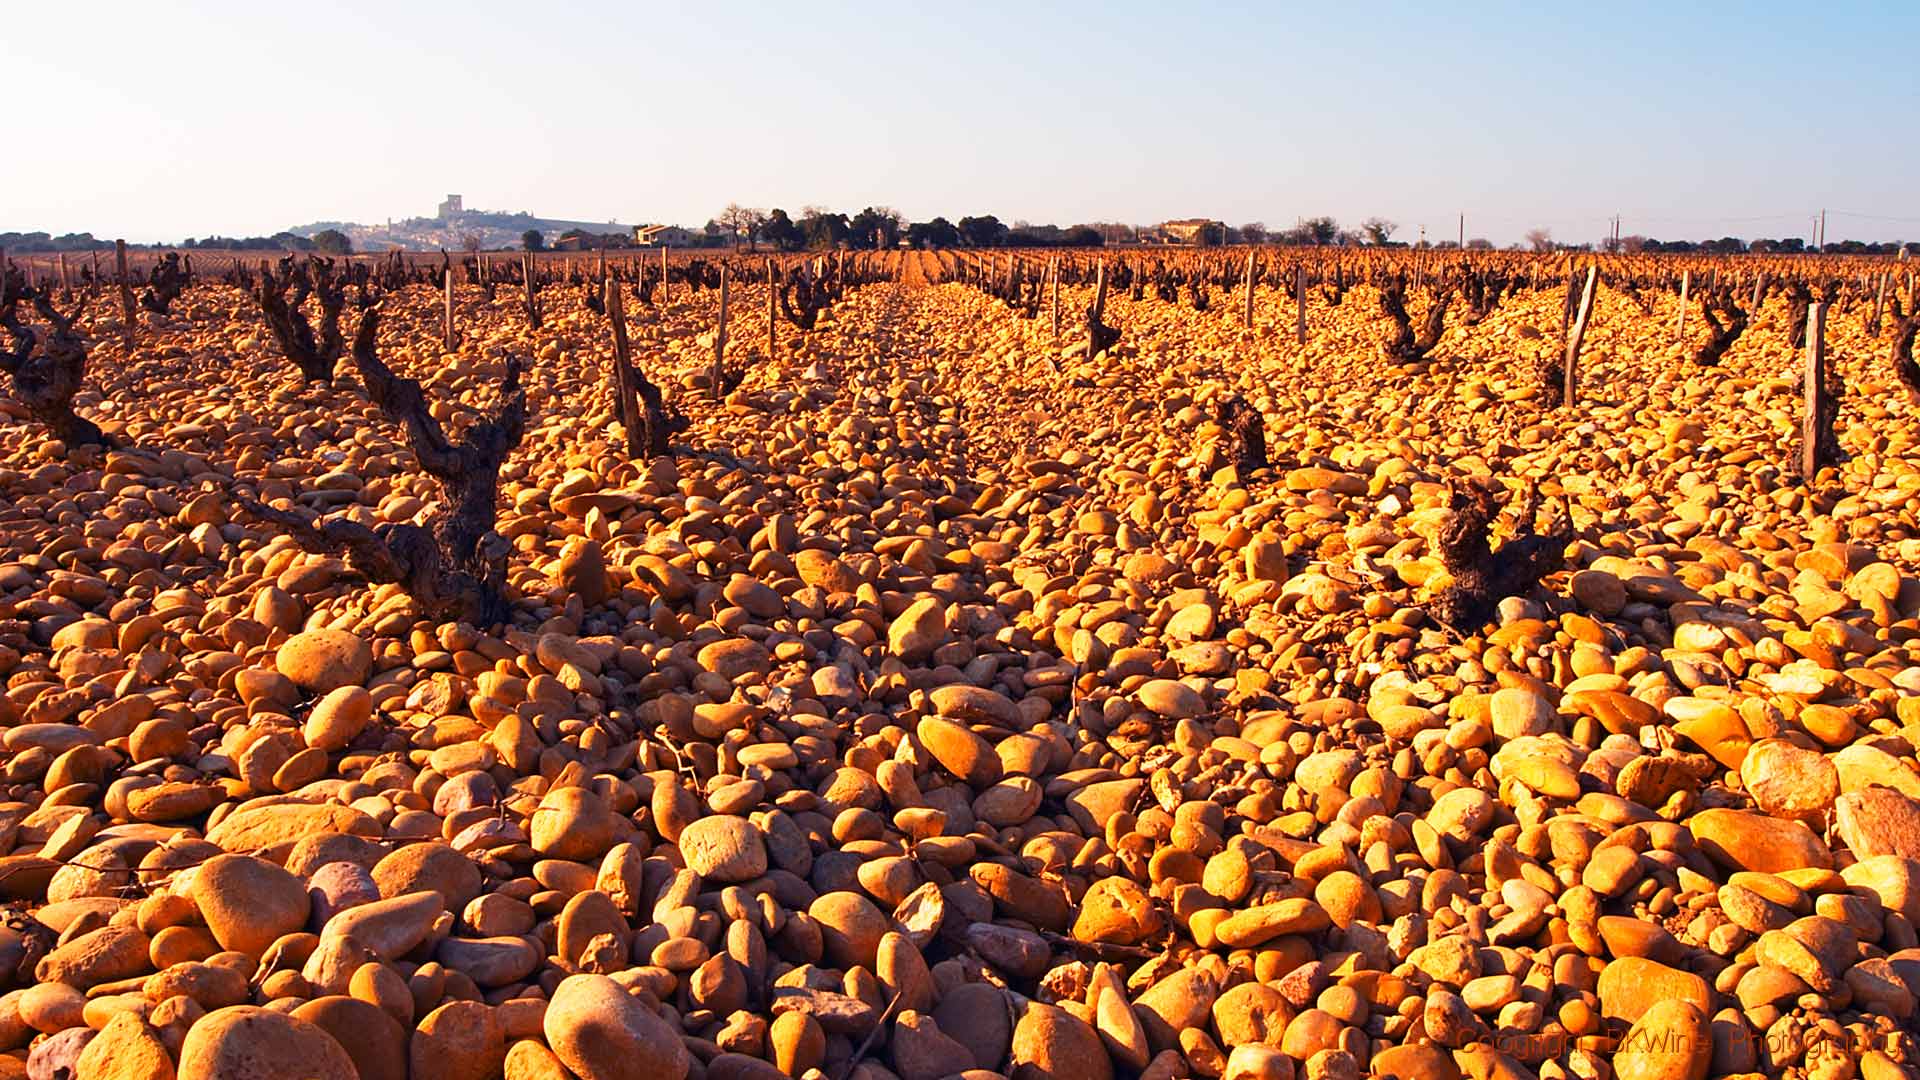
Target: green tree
1320, 231
823, 228
781, 232
984, 231
332, 242
938, 233
531, 240
883, 222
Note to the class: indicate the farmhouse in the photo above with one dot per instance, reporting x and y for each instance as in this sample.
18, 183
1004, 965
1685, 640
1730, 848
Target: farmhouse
1191, 231
658, 235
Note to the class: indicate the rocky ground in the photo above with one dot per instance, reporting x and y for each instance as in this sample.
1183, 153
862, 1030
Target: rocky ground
949, 704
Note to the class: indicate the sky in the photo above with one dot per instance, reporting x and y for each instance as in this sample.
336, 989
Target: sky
154, 120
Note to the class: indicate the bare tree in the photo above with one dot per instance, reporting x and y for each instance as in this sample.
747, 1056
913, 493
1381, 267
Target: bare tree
1540, 239
1254, 232
1378, 230
740, 220
471, 240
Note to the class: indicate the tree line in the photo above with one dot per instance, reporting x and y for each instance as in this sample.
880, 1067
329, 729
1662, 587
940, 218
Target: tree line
884, 227
326, 242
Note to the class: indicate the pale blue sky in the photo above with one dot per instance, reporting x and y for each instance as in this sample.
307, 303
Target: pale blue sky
155, 120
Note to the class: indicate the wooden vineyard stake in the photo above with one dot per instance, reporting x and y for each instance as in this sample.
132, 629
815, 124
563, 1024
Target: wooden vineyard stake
603, 262
1247, 319
1814, 388
1680, 327
1053, 270
126, 291
1099, 306
1759, 290
720, 338
3, 275
666, 290
773, 313
1571, 368
447, 290
1300, 302
623, 387
526, 274
1879, 302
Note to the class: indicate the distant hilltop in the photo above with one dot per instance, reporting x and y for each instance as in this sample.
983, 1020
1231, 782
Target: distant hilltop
456, 228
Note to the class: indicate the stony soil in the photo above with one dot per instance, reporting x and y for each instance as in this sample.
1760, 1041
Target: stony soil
948, 704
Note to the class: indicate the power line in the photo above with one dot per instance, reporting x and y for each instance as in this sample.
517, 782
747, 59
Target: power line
1874, 217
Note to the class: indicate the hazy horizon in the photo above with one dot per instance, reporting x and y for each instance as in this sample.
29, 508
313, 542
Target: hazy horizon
223, 118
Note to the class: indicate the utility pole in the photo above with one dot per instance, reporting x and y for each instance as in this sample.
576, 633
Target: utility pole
1463, 232
1823, 230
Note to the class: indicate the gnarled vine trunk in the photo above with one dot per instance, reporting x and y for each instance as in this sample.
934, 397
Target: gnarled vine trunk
1246, 434
164, 284
457, 562
1406, 345
1483, 576
46, 378
1904, 367
289, 324
1725, 323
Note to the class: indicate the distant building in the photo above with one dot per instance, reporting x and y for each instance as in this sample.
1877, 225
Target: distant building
659, 235
582, 240
1190, 231
451, 208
